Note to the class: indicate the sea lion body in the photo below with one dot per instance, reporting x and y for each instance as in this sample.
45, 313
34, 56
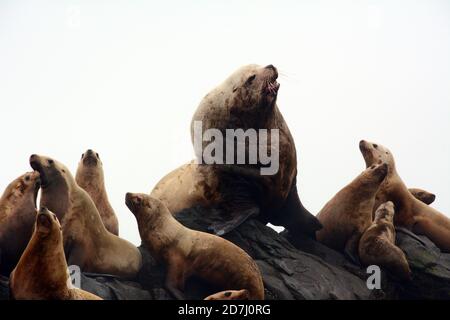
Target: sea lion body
189, 253
90, 177
349, 213
411, 213
245, 101
17, 216
87, 243
41, 273
229, 295
377, 244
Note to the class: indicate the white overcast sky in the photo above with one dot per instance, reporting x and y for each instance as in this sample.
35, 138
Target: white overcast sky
124, 78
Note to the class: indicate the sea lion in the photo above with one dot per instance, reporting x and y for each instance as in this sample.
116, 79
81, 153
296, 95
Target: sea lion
87, 243
377, 244
246, 101
411, 213
91, 178
349, 213
423, 195
230, 295
41, 273
189, 253
17, 216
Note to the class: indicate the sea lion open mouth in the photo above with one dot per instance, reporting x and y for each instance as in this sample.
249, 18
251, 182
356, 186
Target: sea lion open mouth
272, 86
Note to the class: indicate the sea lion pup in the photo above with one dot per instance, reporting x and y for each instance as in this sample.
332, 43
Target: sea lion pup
189, 253
377, 244
349, 213
423, 195
41, 273
91, 178
230, 295
87, 243
245, 102
411, 213
17, 216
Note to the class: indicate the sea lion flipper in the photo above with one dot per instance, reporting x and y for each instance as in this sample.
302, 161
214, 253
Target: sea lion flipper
224, 227
351, 248
175, 278
297, 218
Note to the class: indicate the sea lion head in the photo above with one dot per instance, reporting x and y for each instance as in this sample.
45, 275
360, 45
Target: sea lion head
374, 175
147, 210
423, 195
251, 90
22, 192
385, 211
48, 226
90, 167
230, 295
375, 153
56, 183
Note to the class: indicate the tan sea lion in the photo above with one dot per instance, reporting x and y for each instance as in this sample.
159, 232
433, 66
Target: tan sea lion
246, 101
423, 195
87, 243
377, 244
410, 213
91, 178
42, 273
189, 253
349, 213
17, 216
230, 295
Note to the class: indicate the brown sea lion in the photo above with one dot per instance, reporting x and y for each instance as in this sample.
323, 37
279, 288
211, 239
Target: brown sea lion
189, 253
87, 243
91, 178
377, 244
349, 213
246, 101
17, 216
423, 195
410, 213
41, 273
230, 295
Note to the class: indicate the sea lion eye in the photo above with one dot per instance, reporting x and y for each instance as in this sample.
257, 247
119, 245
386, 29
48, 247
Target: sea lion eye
250, 79
227, 294
82, 155
375, 145
27, 178
51, 161
98, 155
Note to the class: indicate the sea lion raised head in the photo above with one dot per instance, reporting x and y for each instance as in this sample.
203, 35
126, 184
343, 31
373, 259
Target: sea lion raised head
230, 295
56, 183
375, 153
90, 177
247, 96
42, 270
189, 253
423, 195
385, 211
17, 215
87, 243
377, 244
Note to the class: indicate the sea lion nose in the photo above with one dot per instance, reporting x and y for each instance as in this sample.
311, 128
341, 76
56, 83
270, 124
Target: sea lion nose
90, 151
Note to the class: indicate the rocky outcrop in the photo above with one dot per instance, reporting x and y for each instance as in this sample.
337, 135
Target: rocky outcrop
293, 267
